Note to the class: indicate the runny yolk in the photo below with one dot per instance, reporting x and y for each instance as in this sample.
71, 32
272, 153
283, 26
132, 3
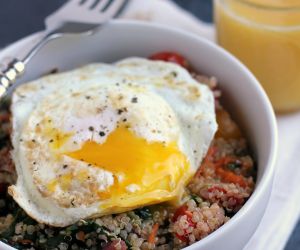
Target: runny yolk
149, 166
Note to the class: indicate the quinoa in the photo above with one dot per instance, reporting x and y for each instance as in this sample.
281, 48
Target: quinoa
221, 186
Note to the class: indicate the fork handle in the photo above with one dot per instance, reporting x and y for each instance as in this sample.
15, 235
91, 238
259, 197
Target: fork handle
8, 76
16, 67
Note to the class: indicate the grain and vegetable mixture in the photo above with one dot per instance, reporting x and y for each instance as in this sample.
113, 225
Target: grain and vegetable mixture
223, 183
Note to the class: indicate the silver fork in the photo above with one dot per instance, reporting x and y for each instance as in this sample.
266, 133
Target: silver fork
81, 17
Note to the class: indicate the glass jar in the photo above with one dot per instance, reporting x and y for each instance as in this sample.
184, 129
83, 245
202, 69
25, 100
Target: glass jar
265, 36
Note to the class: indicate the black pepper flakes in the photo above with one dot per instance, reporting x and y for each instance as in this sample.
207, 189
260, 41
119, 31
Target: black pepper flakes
87, 97
65, 166
91, 128
134, 100
101, 133
51, 140
174, 73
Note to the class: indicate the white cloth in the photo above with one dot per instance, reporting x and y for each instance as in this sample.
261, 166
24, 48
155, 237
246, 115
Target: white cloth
284, 206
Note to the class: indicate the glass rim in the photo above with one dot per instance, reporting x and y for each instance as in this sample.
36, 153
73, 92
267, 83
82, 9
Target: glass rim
261, 7
267, 7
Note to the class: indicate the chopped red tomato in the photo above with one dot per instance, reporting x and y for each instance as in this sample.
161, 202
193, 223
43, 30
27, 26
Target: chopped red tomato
116, 245
183, 238
216, 188
170, 57
181, 211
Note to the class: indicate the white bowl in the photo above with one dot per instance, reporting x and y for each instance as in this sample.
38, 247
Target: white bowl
243, 96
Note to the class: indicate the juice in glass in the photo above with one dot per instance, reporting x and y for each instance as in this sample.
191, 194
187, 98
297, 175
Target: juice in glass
265, 36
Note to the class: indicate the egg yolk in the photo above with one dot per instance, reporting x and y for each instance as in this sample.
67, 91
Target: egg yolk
138, 166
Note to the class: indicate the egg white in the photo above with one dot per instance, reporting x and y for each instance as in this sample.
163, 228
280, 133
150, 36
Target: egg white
95, 96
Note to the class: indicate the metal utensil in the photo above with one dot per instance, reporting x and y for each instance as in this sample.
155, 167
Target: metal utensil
80, 17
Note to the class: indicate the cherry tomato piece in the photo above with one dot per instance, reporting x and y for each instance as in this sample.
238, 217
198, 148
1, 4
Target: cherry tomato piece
170, 57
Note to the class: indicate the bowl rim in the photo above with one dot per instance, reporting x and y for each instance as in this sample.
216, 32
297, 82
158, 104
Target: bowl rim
267, 176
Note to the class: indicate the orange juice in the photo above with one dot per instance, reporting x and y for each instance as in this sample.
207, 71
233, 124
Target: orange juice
265, 35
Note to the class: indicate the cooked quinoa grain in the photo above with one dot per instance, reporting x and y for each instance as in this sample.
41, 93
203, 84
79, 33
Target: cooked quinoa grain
221, 186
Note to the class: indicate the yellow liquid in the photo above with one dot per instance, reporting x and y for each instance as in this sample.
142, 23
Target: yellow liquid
267, 40
155, 167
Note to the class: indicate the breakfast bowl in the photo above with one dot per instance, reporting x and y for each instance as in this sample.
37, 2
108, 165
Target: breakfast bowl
242, 96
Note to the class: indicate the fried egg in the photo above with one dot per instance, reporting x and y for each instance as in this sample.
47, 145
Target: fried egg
108, 138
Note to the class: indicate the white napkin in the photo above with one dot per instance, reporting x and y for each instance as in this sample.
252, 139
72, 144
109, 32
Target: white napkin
168, 13
283, 210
